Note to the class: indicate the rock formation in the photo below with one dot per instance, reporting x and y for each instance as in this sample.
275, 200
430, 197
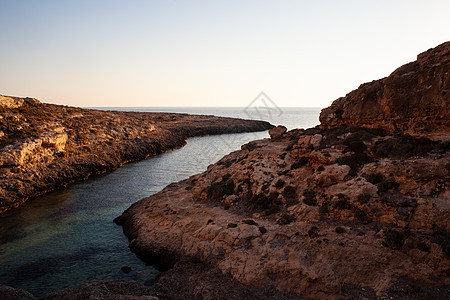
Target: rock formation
277, 131
413, 99
355, 208
9, 293
44, 146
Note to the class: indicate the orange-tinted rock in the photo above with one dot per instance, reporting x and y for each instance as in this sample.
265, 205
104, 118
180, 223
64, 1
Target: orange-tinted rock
277, 132
344, 209
45, 146
391, 208
415, 98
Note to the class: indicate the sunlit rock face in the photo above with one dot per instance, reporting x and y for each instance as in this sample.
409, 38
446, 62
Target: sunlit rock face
415, 98
44, 146
349, 210
354, 208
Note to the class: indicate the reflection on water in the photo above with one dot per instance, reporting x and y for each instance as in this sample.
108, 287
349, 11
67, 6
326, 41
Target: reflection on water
67, 237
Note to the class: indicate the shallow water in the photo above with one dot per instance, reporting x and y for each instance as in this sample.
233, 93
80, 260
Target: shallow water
67, 237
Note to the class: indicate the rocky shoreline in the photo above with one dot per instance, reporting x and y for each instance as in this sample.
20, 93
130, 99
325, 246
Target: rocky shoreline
353, 208
311, 223
356, 208
44, 147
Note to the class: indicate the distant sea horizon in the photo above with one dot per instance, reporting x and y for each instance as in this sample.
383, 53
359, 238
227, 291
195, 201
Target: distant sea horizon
67, 238
291, 117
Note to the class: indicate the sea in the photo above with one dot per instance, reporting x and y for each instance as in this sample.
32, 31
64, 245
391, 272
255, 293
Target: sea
67, 237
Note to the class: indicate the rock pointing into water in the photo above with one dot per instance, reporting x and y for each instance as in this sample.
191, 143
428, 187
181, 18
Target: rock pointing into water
337, 211
45, 146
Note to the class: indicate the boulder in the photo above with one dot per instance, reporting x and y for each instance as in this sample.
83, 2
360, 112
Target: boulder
277, 132
331, 174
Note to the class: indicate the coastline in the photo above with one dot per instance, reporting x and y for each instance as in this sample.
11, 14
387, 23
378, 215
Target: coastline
46, 147
353, 208
356, 207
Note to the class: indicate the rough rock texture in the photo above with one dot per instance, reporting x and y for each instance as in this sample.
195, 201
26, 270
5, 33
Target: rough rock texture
329, 212
277, 132
10, 102
310, 219
44, 146
9, 293
415, 98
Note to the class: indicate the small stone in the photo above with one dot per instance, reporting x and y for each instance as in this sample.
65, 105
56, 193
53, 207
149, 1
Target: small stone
231, 199
126, 269
249, 222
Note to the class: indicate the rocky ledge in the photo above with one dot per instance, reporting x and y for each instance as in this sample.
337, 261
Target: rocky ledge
413, 99
45, 146
329, 212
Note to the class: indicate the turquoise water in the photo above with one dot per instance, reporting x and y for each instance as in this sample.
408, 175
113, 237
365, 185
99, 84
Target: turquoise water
67, 237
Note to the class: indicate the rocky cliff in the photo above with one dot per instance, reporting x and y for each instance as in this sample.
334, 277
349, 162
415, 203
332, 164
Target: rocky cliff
44, 146
415, 98
352, 209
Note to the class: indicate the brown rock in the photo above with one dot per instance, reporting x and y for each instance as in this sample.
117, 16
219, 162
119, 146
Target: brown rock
277, 132
45, 146
10, 102
331, 174
415, 98
349, 212
389, 203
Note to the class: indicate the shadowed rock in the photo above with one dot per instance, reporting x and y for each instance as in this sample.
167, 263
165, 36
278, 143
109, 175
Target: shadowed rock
9, 293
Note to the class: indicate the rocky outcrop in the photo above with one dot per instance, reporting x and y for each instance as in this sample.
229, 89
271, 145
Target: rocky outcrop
10, 102
349, 210
415, 98
337, 211
44, 146
277, 132
9, 293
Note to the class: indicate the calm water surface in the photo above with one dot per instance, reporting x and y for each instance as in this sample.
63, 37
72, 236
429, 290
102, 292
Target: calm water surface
67, 237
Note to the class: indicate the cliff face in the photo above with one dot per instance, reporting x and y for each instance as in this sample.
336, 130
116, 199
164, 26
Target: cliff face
348, 210
44, 146
415, 98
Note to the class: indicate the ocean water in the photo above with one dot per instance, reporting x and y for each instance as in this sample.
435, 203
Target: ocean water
67, 238
291, 117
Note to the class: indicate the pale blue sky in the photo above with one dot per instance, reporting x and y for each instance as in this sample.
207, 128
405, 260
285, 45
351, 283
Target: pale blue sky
208, 53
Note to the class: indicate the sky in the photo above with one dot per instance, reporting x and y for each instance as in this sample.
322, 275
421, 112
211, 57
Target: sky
208, 53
